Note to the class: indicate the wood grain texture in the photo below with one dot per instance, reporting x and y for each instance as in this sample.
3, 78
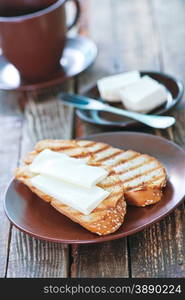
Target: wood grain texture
98, 14
30, 257
11, 103
169, 20
126, 38
44, 118
160, 250
178, 132
10, 139
91, 15
146, 34
134, 36
108, 259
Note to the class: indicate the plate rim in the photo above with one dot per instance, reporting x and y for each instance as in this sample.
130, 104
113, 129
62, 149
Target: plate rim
130, 124
114, 236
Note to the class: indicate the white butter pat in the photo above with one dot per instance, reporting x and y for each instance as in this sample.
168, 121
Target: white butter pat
70, 170
143, 95
49, 155
109, 87
82, 199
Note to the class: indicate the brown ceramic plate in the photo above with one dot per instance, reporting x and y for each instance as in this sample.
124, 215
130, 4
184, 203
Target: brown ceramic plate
79, 54
35, 217
174, 88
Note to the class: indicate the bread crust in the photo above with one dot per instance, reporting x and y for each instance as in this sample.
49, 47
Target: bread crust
109, 215
145, 193
106, 218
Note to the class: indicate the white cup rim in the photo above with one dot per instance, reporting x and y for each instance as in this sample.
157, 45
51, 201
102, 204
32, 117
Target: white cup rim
36, 14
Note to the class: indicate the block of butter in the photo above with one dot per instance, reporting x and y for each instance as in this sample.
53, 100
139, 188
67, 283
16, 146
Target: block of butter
82, 199
143, 95
48, 155
65, 168
109, 87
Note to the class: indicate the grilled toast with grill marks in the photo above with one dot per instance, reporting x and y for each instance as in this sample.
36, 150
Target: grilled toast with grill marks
107, 217
143, 177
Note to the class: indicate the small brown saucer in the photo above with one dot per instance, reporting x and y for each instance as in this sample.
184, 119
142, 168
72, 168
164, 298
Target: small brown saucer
174, 88
34, 216
79, 54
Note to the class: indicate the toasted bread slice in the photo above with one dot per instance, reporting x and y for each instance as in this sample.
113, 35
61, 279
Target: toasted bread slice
143, 176
108, 215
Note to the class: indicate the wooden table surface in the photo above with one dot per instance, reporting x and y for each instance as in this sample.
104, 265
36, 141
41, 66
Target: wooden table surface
137, 34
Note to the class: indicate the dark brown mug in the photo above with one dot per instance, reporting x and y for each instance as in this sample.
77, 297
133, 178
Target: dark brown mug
34, 42
21, 7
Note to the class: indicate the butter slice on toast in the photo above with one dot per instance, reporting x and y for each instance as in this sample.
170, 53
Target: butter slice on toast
108, 216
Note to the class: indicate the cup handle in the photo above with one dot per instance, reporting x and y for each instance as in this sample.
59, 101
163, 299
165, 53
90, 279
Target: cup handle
77, 15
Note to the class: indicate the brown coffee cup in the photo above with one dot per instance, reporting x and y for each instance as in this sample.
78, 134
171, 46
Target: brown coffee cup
34, 42
21, 7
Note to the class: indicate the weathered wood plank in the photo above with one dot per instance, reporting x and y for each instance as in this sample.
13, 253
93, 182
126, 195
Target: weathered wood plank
129, 36
170, 20
30, 257
44, 118
117, 52
10, 139
10, 103
107, 259
134, 43
165, 240
135, 37
125, 37
177, 133
159, 251
122, 45
98, 14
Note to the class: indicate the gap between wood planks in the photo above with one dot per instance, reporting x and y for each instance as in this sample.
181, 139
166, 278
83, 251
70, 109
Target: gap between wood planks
10, 229
72, 267
117, 66
169, 134
11, 136
27, 256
